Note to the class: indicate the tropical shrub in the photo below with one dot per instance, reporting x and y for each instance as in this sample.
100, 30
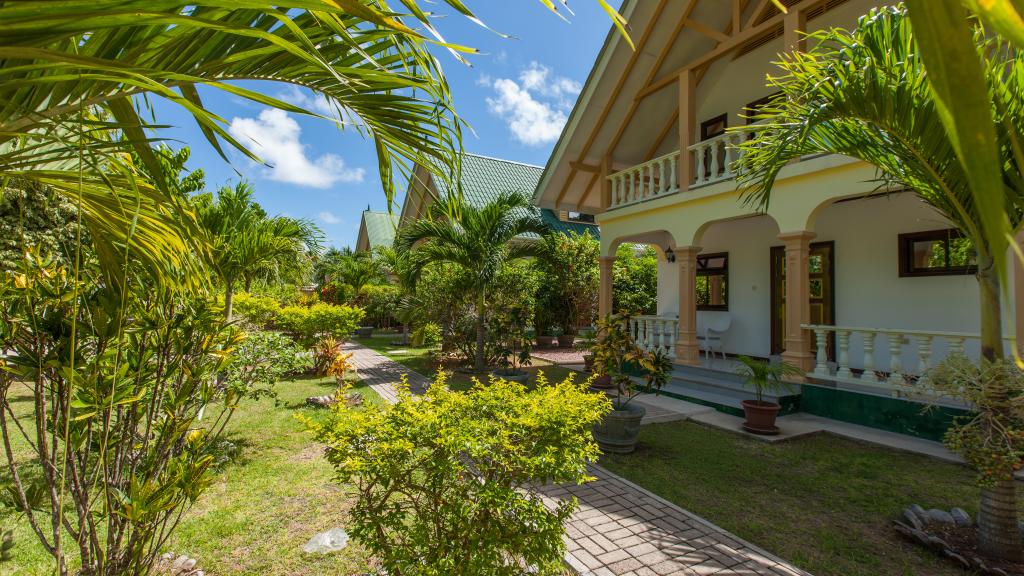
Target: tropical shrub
261, 360
571, 278
324, 352
635, 280
381, 302
340, 366
443, 480
337, 292
307, 324
257, 310
427, 335
142, 412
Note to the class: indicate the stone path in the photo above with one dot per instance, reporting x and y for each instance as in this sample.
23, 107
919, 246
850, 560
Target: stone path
620, 529
558, 355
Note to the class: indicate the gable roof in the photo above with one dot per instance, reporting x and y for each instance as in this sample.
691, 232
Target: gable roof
484, 178
376, 229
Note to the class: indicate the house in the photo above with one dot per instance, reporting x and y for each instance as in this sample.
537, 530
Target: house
483, 179
376, 229
863, 290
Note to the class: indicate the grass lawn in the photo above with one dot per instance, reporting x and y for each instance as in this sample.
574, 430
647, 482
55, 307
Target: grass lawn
263, 505
822, 502
420, 360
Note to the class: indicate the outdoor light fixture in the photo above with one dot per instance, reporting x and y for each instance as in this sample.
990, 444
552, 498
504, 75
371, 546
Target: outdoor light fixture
670, 256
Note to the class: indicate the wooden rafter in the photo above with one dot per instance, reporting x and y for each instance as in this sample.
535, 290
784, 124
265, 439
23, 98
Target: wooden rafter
762, 6
586, 192
706, 30
640, 45
737, 13
583, 167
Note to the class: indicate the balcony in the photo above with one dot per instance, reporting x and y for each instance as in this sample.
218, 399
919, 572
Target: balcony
713, 162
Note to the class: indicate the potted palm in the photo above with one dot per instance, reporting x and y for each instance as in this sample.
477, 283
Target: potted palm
764, 377
614, 353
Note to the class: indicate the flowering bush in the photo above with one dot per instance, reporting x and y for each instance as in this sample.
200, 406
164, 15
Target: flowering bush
443, 479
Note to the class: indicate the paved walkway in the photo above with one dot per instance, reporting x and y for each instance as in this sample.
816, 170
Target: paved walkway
620, 529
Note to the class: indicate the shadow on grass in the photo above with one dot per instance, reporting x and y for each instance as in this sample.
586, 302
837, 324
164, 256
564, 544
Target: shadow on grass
230, 450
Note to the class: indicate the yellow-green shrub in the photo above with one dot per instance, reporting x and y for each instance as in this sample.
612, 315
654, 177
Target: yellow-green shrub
258, 310
308, 324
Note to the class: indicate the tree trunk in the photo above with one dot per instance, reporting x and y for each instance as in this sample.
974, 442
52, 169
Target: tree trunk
229, 298
248, 284
481, 309
998, 531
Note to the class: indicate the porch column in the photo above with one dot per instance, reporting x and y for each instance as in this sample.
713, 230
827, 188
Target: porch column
604, 299
687, 125
798, 304
687, 350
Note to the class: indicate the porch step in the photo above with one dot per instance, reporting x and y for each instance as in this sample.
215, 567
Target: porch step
716, 388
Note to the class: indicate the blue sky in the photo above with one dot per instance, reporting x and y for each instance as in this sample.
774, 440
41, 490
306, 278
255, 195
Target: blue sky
516, 97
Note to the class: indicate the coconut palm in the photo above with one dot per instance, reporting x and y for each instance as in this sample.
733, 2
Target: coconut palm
865, 94
478, 239
246, 243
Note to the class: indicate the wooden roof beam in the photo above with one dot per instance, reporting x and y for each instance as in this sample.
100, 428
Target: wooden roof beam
706, 30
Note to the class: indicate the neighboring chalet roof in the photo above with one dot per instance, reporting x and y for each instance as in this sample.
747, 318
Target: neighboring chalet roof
483, 179
376, 229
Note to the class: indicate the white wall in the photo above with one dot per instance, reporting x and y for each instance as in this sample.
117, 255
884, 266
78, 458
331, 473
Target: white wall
868, 289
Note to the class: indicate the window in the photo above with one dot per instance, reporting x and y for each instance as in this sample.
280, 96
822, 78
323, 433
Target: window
713, 281
936, 253
752, 109
580, 217
714, 127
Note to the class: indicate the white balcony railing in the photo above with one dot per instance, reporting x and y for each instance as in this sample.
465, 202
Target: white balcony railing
714, 158
652, 179
892, 362
655, 332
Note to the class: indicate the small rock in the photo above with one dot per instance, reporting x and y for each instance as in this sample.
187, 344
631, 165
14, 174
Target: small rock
941, 516
325, 542
960, 516
921, 514
912, 519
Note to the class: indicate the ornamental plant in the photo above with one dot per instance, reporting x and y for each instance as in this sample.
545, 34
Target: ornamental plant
340, 366
308, 323
617, 355
444, 480
256, 309
261, 360
128, 404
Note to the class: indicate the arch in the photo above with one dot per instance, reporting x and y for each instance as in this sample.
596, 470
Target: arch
698, 235
660, 239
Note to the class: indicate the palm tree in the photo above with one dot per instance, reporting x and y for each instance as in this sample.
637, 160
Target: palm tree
865, 94
479, 240
246, 243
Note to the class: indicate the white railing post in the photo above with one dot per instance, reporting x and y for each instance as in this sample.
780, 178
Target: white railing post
924, 357
673, 325
821, 368
649, 337
896, 379
715, 160
843, 358
698, 150
869, 356
672, 169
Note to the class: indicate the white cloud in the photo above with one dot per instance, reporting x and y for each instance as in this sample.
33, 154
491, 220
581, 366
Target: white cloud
536, 107
274, 137
329, 218
309, 100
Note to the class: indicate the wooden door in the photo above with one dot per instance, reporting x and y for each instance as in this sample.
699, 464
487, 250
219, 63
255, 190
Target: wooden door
821, 292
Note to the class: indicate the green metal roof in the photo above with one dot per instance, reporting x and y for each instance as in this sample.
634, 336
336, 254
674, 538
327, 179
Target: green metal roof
380, 228
484, 178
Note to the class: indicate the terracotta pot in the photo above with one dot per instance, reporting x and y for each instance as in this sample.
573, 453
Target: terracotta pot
511, 375
618, 430
588, 362
761, 417
602, 382
545, 341
566, 340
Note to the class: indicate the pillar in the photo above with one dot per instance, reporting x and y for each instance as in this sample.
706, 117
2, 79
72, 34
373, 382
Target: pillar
687, 349
794, 25
797, 344
687, 125
604, 298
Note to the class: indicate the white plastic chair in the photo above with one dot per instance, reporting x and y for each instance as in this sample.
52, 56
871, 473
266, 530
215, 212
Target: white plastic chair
715, 327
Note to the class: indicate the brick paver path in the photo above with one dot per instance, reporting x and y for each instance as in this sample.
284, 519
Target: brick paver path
620, 529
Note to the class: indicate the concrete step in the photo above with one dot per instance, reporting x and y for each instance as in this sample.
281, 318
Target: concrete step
726, 374
707, 396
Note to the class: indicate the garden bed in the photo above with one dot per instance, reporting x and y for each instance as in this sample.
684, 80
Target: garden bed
824, 503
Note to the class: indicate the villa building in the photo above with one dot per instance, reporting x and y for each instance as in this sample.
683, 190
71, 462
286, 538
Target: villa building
863, 288
483, 179
376, 229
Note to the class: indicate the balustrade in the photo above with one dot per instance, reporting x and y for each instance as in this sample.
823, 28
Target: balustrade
655, 332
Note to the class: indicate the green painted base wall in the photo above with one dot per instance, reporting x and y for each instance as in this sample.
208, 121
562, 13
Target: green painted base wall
892, 414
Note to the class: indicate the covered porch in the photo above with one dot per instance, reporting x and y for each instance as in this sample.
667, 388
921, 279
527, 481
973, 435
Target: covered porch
865, 321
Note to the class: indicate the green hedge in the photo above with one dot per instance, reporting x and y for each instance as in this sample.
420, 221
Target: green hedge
307, 324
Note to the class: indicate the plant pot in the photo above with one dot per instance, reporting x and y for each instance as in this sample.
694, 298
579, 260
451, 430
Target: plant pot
545, 341
761, 417
617, 431
566, 340
511, 375
602, 382
588, 362
364, 331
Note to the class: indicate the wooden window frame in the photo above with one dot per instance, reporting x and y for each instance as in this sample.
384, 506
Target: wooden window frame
723, 271
722, 119
906, 246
